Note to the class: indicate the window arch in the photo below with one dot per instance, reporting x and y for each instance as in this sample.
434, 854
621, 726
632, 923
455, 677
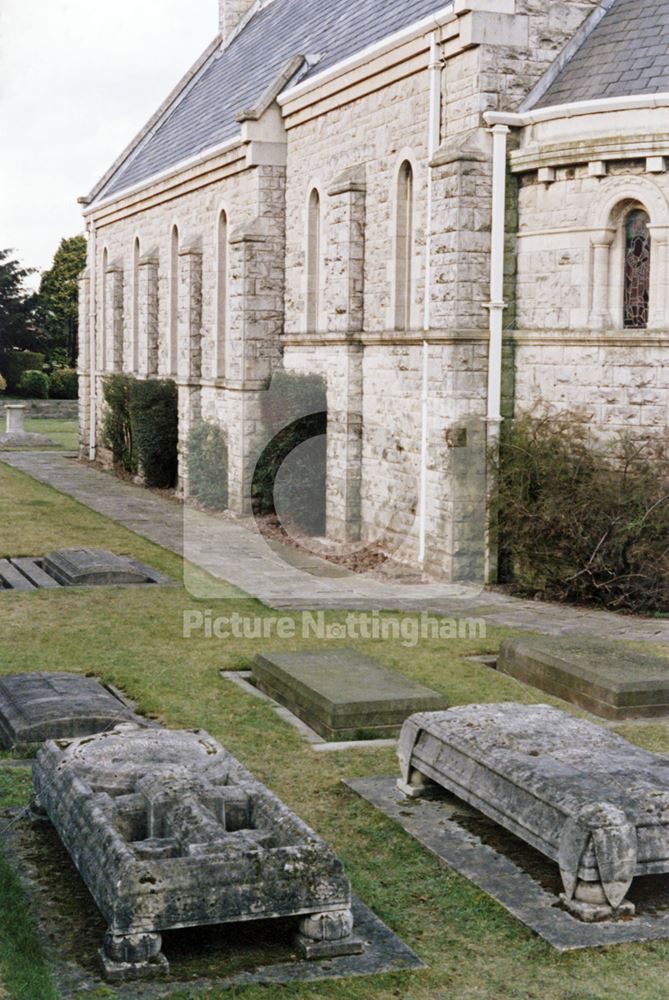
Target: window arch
636, 276
135, 305
174, 299
314, 262
222, 292
404, 247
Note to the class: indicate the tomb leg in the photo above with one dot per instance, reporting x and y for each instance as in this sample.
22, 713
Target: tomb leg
328, 935
127, 957
419, 787
589, 903
37, 812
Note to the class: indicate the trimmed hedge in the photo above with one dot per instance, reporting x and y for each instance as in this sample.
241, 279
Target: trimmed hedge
64, 384
14, 363
154, 419
116, 427
294, 412
34, 385
208, 465
582, 522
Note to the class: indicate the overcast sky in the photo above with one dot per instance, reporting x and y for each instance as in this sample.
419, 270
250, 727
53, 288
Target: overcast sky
78, 79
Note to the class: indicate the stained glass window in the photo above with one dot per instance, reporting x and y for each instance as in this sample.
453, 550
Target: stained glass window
637, 269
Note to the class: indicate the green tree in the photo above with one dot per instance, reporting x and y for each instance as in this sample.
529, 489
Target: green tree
58, 300
17, 306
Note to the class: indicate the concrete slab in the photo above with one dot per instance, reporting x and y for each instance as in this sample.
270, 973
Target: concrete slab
511, 872
342, 694
40, 706
606, 678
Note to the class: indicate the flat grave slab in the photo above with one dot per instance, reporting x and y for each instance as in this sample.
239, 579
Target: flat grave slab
580, 795
43, 706
602, 677
511, 872
84, 567
168, 831
342, 694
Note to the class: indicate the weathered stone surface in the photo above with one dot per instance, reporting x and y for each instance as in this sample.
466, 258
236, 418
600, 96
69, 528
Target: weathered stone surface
579, 794
168, 830
339, 692
88, 567
44, 706
603, 677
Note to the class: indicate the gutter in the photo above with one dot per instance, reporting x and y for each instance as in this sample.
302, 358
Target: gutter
434, 136
422, 27
92, 420
576, 109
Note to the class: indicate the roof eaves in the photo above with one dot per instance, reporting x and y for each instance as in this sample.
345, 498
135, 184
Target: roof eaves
565, 57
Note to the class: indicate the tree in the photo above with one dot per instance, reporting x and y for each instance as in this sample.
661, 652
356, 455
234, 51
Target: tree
58, 300
17, 306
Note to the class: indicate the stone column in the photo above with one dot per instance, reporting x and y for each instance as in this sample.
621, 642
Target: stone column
659, 261
147, 299
345, 255
114, 319
600, 313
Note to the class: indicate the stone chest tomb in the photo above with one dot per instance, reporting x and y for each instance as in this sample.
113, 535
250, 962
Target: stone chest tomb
84, 567
343, 694
603, 677
42, 706
583, 796
168, 830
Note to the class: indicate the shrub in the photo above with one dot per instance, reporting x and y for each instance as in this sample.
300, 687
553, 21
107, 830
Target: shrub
64, 384
3, 384
116, 427
289, 478
34, 385
581, 522
154, 420
15, 363
208, 465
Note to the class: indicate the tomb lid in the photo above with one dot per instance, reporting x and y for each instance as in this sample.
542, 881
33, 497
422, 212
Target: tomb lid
39, 706
86, 567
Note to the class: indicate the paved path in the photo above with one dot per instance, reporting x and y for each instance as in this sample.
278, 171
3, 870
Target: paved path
282, 577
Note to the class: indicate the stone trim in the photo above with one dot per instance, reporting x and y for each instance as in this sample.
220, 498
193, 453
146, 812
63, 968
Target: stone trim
614, 337
603, 148
382, 338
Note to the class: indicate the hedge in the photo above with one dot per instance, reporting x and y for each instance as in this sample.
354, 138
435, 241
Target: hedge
154, 421
289, 478
34, 385
208, 465
116, 427
64, 384
14, 363
580, 521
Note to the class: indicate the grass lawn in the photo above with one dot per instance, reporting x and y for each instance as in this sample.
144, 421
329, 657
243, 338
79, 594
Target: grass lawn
472, 947
64, 433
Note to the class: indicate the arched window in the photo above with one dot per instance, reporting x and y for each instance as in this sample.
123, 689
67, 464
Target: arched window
222, 294
404, 239
103, 310
135, 306
637, 270
174, 300
314, 261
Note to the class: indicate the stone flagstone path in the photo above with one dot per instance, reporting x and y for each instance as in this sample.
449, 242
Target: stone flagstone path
285, 578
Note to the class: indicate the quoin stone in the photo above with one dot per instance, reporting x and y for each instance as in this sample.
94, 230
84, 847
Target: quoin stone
168, 830
584, 797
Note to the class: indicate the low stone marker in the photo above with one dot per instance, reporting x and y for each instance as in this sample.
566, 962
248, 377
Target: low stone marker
88, 567
603, 677
168, 830
47, 706
16, 436
15, 414
342, 694
580, 795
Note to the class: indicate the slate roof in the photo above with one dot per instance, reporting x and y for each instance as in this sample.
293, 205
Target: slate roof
626, 54
235, 80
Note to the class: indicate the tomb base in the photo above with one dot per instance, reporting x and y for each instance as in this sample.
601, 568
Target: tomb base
328, 935
128, 957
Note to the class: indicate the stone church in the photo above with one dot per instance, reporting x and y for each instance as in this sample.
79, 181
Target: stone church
448, 212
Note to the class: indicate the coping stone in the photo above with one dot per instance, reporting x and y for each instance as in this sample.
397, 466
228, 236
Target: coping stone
40, 706
605, 678
340, 692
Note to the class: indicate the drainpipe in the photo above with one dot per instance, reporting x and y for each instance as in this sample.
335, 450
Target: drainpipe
92, 436
496, 308
434, 135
